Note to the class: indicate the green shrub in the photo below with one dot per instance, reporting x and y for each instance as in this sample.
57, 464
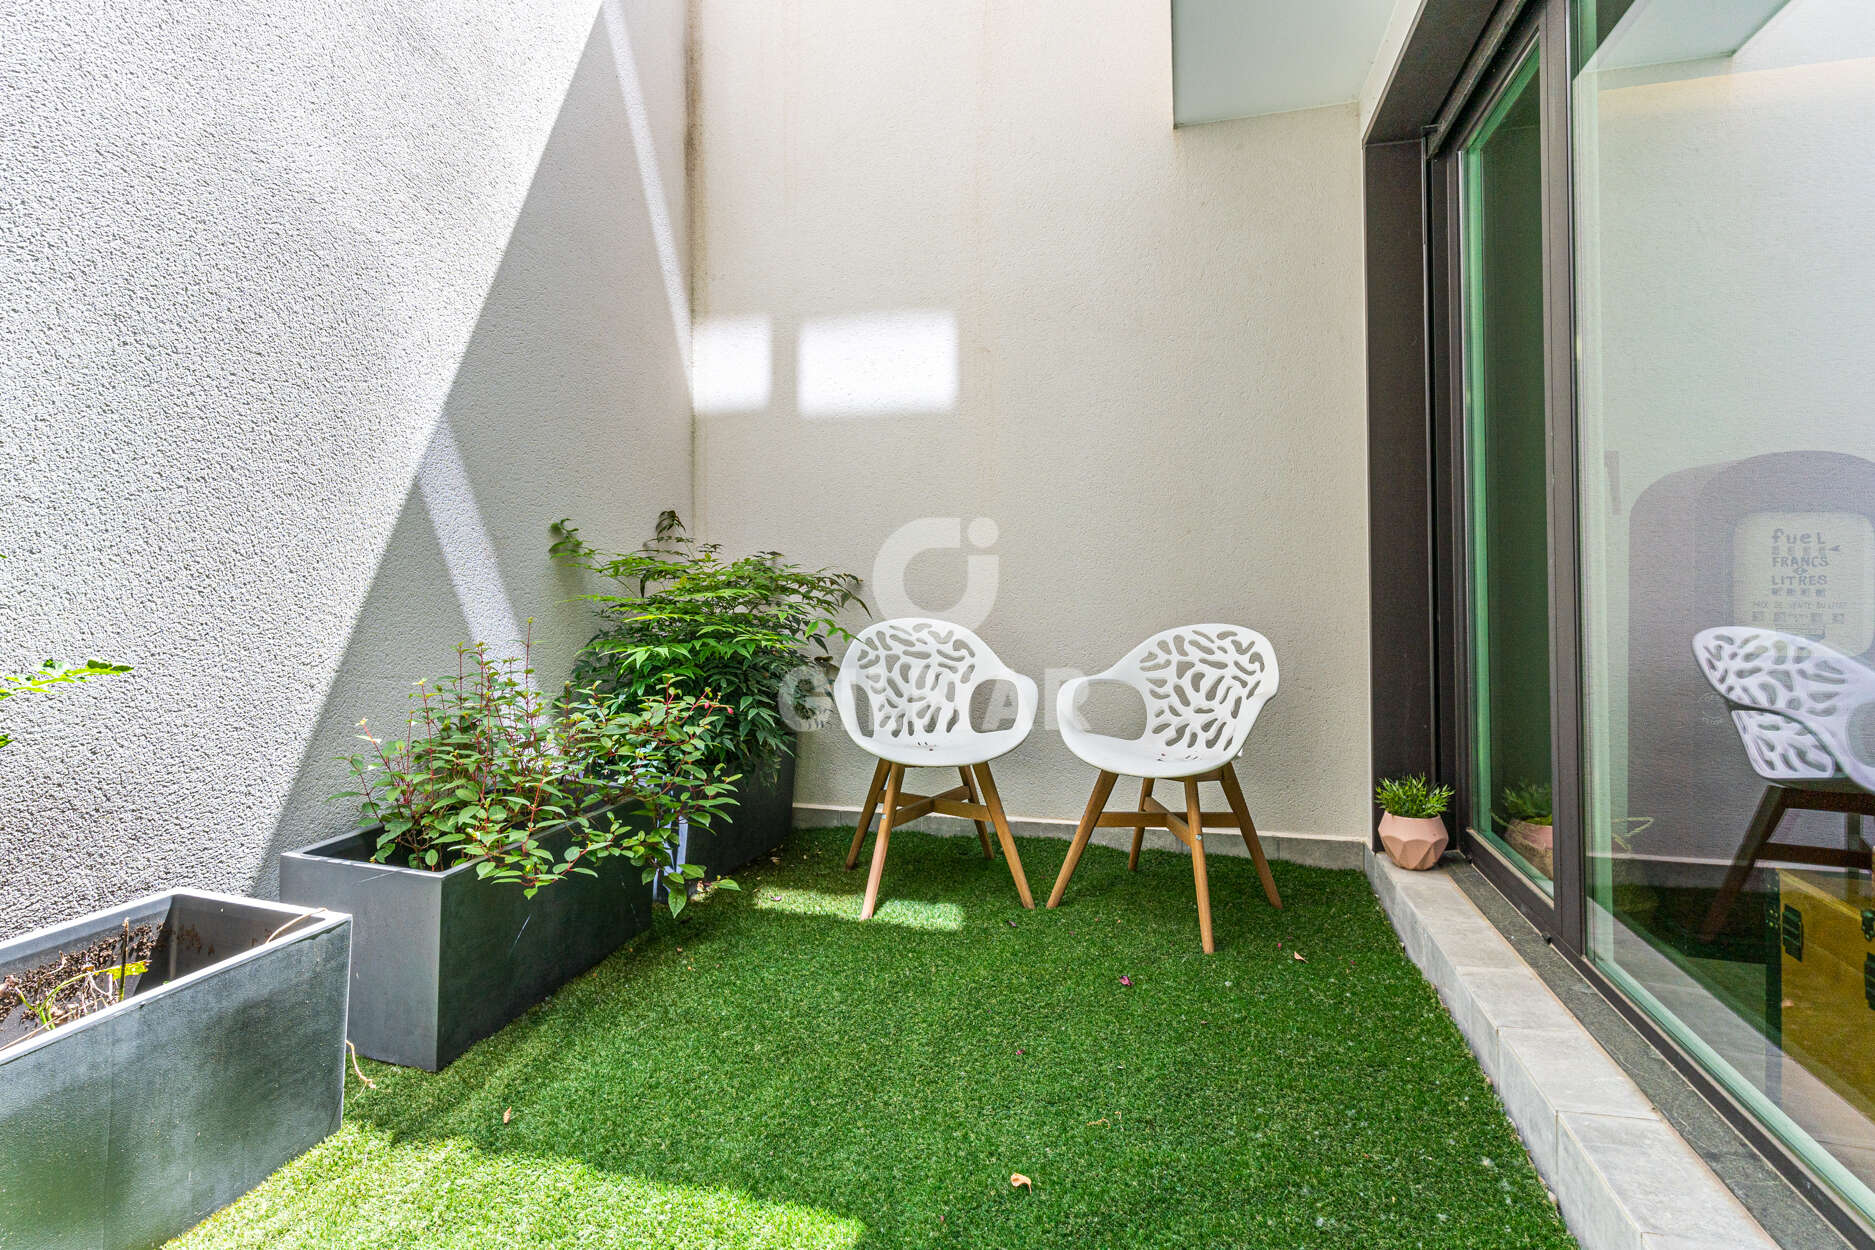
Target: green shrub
682, 617
1529, 802
488, 766
1412, 797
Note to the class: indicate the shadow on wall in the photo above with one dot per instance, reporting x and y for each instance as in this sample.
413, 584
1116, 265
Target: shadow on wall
571, 399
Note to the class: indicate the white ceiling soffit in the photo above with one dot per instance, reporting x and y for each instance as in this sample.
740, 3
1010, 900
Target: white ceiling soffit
1665, 32
1245, 58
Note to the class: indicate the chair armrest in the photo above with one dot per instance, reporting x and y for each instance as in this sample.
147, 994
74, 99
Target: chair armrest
1068, 716
843, 683
1028, 698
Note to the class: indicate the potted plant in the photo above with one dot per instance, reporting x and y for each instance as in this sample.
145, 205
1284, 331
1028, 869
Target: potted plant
1526, 819
511, 842
158, 1059
161, 1058
1412, 828
740, 631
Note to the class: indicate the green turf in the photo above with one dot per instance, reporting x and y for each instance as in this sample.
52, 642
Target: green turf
773, 1073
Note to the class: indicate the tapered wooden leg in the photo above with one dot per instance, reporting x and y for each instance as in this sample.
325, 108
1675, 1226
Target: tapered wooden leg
894, 781
1764, 822
986, 786
1139, 831
1096, 803
1234, 794
983, 830
866, 812
1195, 815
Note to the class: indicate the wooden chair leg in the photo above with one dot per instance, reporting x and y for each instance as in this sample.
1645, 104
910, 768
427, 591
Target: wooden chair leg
1139, 831
1764, 822
1096, 803
1194, 814
866, 812
983, 830
986, 785
1233, 793
895, 779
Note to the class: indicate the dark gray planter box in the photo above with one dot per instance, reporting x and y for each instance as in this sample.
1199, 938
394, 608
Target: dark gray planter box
441, 960
127, 1127
762, 817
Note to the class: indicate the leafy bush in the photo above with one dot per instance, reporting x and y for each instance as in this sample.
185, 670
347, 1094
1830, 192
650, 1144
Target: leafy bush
488, 769
1412, 797
1529, 802
682, 617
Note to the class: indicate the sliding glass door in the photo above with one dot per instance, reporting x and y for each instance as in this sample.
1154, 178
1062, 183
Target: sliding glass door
1724, 207
1506, 599
1649, 296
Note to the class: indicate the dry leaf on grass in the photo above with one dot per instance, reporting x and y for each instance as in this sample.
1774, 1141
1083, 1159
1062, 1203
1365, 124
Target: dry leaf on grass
507, 1115
1297, 956
1018, 1181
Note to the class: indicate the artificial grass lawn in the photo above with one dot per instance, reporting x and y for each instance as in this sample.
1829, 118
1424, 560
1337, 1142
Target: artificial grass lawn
773, 1073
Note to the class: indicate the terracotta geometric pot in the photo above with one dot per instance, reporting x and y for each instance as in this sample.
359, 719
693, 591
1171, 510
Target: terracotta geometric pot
1536, 843
1414, 842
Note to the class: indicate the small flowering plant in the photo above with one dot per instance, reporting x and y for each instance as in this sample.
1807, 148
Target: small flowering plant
492, 773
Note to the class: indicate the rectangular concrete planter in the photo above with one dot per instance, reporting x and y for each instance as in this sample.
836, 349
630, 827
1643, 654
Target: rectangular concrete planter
762, 817
127, 1127
441, 960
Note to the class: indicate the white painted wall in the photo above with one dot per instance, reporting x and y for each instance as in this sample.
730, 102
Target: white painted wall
953, 261
312, 318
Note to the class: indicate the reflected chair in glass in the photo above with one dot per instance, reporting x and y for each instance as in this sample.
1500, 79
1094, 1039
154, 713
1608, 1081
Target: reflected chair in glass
1203, 686
1795, 704
918, 676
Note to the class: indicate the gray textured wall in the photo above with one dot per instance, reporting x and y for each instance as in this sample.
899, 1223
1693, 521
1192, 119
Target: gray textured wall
977, 274
312, 317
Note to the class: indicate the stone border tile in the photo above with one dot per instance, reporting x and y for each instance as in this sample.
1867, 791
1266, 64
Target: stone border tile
1623, 1178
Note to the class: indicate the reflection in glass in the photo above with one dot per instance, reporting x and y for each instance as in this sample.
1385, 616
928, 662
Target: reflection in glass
1507, 500
1724, 203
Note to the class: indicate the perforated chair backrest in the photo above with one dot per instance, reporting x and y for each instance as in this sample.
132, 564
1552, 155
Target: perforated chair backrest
918, 675
1793, 701
1204, 685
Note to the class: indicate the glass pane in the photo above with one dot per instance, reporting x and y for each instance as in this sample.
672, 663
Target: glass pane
1507, 488
1725, 199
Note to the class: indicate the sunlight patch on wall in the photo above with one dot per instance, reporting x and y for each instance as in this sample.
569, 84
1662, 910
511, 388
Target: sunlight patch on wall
878, 364
732, 364
906, 913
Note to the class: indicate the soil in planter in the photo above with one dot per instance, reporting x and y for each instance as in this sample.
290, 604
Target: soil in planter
76, 981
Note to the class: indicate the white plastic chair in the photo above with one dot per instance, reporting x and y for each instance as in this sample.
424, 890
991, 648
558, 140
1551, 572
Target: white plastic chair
1203, 686
918, 676
1793, 703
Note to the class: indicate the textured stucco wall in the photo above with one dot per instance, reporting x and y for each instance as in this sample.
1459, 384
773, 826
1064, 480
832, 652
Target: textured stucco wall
954, 261
312, 317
